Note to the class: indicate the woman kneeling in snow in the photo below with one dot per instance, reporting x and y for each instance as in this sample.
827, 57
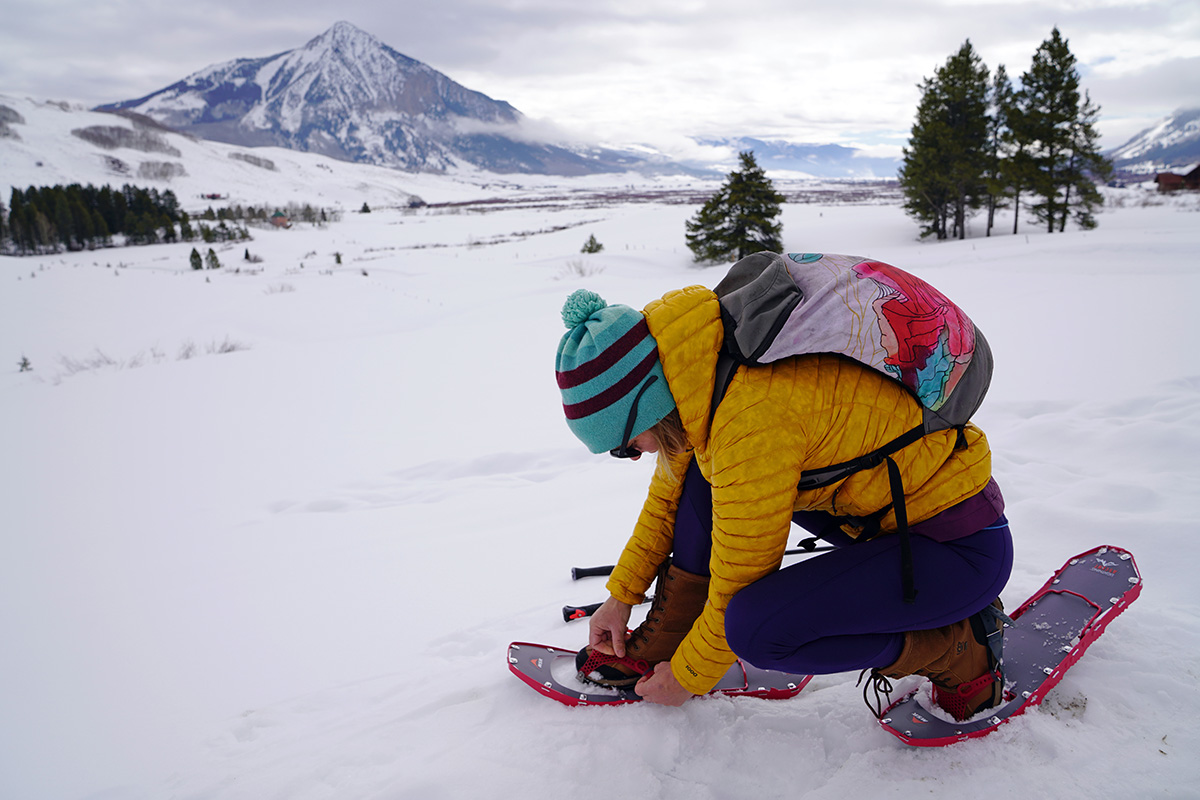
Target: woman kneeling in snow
715, 525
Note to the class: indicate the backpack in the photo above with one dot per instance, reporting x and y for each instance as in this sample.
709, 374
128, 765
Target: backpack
774, 307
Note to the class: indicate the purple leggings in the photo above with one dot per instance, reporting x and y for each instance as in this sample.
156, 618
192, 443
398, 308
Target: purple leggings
843, 610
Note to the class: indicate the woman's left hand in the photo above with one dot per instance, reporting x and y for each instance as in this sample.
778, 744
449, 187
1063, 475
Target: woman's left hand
660, 686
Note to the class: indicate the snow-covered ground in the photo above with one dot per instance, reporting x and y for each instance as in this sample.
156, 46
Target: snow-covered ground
291, 570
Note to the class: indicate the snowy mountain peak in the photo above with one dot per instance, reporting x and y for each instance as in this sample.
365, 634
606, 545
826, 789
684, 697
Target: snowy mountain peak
343, 33
1173, 142
347, 95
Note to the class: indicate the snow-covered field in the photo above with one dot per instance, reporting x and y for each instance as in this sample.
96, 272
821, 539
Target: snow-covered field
291, 570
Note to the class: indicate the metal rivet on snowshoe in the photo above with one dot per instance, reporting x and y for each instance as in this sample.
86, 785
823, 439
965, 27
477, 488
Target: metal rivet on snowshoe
1074, 561
1026, 694
1125, 556
1135, 580
1048, 670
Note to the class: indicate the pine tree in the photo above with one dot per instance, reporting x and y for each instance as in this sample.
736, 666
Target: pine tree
195, 260
211, 261
739, 219
1059, 134
1084, 166
168, 228
100, 228
945, 165
185, 227
1000, 99
63, 222
592, 245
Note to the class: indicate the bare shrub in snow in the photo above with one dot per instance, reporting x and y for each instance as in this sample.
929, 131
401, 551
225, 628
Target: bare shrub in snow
97, 360
255, 161
578, 268
110, 137
161, 170
226, 346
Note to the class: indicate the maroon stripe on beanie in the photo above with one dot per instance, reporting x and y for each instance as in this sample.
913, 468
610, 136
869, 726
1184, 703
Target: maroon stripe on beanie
613, 393
609, 356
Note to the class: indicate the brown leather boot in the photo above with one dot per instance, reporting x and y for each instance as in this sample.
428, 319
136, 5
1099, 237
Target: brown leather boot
956, 658
679, 597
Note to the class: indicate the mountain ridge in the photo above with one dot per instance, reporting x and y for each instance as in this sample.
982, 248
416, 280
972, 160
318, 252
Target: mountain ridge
347, 95
1174, 142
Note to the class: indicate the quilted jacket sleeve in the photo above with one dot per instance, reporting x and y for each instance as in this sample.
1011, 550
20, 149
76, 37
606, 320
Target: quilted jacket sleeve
652, 537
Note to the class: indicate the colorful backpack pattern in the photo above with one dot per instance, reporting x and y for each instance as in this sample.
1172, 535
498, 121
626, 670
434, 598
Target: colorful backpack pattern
881, 316
876, 314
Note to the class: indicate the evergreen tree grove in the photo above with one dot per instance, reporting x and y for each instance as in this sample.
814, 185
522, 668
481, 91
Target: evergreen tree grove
739, 219
979, 141
48, 219
945, 164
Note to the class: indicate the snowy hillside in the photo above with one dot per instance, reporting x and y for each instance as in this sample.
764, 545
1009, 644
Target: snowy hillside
49, 143
1173, 142
268, 531
43, 149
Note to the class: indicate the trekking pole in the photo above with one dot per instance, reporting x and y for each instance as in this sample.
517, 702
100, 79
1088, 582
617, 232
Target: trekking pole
581, 612
590, 572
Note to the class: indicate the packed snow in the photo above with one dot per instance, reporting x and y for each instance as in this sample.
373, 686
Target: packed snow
269, 529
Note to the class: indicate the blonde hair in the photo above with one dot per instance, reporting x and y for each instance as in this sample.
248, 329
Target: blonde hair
672, 442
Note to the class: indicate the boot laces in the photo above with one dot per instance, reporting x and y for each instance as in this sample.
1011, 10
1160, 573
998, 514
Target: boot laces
882, 687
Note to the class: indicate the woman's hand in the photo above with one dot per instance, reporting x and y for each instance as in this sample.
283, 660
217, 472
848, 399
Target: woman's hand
609, 627
660, 686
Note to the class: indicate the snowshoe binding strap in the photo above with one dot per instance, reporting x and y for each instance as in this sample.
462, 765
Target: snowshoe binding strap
601, 668
958, 701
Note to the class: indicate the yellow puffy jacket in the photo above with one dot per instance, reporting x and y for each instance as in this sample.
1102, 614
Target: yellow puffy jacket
775, 421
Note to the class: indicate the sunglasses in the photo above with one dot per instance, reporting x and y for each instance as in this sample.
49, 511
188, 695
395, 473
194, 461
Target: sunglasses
626, 450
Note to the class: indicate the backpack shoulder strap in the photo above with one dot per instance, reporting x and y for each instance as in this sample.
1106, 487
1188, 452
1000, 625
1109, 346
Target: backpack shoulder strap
727, 367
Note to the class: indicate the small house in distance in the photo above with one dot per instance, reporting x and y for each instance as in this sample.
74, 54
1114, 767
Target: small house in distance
1170, 182
280, 220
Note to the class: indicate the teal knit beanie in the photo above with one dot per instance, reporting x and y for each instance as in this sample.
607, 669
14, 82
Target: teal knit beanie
604, 360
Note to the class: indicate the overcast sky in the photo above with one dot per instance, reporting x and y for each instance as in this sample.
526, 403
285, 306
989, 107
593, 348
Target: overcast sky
627, 71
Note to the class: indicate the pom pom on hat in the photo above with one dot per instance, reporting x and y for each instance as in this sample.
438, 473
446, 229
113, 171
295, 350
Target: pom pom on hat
580, 306
605, 360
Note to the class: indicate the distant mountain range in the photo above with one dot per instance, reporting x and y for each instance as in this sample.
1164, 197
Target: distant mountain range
818, 160
347, 95
1172, 143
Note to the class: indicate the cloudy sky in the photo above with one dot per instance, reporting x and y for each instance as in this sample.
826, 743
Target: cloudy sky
654, 71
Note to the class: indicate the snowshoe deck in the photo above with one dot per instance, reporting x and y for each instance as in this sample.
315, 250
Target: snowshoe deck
1051, 631
551, 671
